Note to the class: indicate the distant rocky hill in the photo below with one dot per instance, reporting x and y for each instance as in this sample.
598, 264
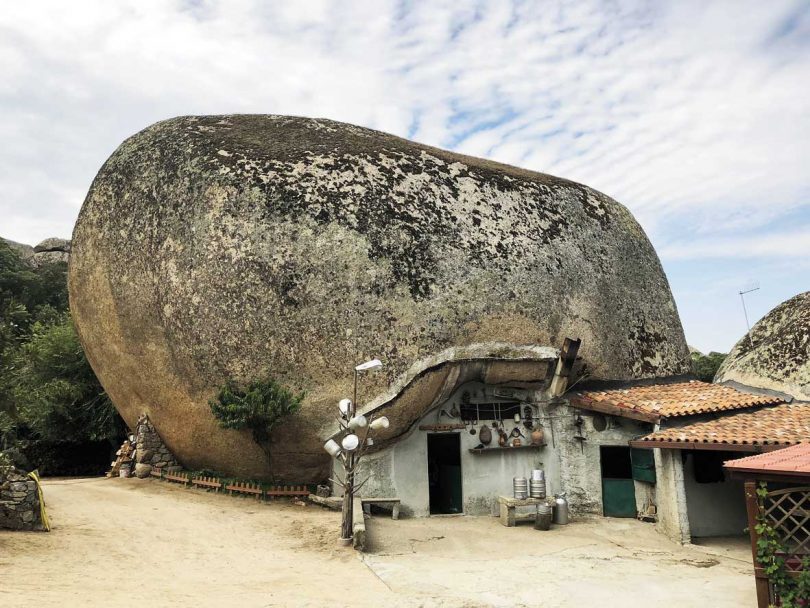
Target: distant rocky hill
52, 249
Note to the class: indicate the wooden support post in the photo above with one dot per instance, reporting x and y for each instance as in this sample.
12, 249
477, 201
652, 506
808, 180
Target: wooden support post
752, 507
565, 365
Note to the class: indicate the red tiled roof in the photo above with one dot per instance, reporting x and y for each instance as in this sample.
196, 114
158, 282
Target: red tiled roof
781, 425
794, 460
655, 401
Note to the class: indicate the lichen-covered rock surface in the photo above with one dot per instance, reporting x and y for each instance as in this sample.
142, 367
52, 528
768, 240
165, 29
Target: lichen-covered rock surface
779, 359
234, 246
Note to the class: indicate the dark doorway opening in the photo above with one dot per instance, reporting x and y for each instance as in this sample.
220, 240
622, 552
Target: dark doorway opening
444, 473
618, 489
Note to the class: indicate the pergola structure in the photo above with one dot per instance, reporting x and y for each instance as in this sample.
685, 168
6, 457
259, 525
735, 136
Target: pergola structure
785, 507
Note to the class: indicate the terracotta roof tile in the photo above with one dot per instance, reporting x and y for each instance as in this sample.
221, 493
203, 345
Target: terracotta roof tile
678, 399
793, 460
784, 424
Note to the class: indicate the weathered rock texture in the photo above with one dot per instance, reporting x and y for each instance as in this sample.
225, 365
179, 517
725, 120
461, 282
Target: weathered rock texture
232, 246
779, 359
19, 501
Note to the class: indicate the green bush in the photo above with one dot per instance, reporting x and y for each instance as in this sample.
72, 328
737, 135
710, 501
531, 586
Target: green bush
259, 407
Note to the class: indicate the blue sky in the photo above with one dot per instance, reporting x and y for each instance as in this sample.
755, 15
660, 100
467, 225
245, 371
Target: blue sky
694, 114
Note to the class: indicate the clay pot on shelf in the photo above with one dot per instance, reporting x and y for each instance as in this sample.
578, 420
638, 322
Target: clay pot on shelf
538, 437
516, 442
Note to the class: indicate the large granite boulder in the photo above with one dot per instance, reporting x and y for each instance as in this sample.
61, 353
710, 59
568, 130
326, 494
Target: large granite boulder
218, 247
779, 359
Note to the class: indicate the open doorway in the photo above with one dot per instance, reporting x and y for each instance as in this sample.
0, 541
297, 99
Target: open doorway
444, 473
618, 489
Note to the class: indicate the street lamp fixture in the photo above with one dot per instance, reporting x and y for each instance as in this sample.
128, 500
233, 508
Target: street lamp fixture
351, 447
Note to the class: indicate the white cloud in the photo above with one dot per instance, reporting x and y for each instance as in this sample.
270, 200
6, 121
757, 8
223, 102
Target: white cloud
694, 114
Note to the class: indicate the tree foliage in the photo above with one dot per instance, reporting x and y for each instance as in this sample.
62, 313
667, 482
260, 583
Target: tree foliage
705, 366
48, 391
259, 407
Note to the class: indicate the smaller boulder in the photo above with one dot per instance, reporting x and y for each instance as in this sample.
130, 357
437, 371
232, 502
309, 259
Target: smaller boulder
142, 470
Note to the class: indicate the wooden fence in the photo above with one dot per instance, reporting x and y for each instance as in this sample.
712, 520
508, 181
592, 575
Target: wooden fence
233, 487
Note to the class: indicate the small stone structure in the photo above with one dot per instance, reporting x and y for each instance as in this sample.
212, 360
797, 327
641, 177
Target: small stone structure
19, 501
150, 451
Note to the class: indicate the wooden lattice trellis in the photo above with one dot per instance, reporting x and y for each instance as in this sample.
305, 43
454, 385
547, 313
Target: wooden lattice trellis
788, 513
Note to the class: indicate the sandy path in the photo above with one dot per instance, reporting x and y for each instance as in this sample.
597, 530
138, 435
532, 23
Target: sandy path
599, 562
119, 541
150, 544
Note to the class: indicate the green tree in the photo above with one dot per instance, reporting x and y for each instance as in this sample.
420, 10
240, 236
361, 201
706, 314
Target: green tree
260, 407
705, 366
48, 391
56, 393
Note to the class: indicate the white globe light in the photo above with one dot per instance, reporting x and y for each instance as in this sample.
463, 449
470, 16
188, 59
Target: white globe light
379, 423
344, 405
358, 422
350, 442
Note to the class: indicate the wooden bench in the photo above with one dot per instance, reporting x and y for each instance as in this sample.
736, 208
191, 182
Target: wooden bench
508, 505
394, 502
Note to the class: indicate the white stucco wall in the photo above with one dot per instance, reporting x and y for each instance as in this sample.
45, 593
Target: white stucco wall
671, 496
402, 470
714, 509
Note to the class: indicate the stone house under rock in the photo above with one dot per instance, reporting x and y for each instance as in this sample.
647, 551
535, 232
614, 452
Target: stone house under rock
652, 448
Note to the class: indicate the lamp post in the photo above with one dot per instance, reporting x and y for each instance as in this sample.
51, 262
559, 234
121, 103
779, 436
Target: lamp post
351, 448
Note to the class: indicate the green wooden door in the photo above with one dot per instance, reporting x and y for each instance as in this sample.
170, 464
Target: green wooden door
643, 464
618, 498
618, 489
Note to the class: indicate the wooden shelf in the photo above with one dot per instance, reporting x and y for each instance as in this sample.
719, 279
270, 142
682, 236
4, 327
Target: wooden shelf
506, 449
442, 427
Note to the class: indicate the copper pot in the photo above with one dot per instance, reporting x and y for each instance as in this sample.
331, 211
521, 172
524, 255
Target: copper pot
538, 436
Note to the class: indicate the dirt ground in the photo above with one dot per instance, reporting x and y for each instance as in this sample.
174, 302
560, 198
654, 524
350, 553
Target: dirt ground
149, 543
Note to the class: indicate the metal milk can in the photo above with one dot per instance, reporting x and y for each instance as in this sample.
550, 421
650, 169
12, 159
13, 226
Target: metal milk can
560, 509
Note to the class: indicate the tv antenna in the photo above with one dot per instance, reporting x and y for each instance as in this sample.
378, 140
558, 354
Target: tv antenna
748, 289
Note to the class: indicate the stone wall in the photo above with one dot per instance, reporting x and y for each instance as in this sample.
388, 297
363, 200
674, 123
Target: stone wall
150, 451
19, 501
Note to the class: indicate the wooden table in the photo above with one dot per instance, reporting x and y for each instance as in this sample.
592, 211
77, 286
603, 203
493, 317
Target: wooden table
508, 504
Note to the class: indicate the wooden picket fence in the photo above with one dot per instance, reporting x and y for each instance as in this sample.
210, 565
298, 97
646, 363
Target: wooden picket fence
177, 477
233, 487
286, 491
207, 482
244, 487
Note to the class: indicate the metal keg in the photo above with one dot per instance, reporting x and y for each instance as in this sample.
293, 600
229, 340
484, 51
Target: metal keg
520, 488
560, 509
537, 488
538, 475
542, 520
